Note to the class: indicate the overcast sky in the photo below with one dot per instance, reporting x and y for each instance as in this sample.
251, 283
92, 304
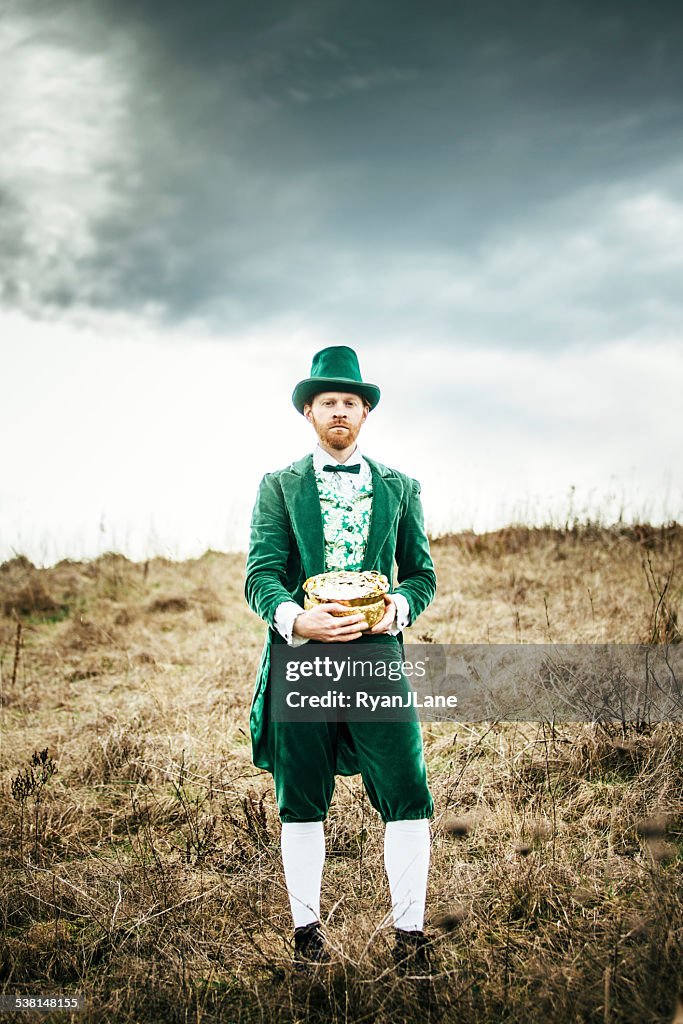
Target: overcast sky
485, 199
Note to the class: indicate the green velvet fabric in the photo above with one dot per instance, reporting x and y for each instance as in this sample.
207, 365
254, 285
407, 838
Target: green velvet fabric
389, 752
287, 546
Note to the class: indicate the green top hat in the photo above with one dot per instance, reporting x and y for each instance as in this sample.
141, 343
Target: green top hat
334, 369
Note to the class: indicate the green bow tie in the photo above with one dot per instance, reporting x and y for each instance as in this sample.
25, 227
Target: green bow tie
341, 469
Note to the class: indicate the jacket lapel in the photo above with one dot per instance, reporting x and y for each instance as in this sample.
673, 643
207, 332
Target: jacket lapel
386, 500
303, 504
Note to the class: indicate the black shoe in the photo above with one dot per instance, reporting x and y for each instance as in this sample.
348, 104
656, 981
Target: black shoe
411, 953
309, 946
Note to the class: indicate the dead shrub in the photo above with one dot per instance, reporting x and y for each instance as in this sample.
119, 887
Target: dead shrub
84, 634
169, 604
32, 598
120, 753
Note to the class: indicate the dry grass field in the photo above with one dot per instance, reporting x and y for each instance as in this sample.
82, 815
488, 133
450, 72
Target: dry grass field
140, 846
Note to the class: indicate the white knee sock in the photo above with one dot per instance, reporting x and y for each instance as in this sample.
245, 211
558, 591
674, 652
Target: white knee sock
406, 859
303, 856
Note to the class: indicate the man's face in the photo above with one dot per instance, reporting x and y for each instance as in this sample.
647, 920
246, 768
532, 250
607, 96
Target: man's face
337, 417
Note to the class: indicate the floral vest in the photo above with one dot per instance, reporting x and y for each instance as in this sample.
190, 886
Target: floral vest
346, 522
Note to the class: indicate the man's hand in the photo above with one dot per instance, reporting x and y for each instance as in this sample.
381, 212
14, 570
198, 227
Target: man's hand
319, 624
387, 620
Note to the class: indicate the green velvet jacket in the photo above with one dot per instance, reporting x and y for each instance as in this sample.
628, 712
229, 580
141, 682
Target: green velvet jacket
287, 546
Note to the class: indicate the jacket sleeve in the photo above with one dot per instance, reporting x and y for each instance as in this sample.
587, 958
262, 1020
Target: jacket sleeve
269, 549
416, 575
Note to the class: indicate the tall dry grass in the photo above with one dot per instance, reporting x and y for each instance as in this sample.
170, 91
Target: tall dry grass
144, 872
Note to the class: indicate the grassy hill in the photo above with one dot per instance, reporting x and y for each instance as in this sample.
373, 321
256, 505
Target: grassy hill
141, 846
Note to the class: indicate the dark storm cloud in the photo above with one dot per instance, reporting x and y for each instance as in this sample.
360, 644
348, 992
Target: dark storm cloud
486, 171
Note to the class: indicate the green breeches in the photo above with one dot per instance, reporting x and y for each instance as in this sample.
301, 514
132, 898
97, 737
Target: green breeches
390, 756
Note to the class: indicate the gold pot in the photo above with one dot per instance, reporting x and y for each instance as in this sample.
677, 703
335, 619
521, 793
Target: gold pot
359, 591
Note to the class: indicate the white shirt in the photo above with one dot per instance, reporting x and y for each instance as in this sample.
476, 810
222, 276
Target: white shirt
346, 484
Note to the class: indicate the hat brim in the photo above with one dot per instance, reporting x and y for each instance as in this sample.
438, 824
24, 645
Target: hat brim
307, 389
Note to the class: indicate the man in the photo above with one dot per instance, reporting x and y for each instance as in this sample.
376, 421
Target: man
336, 509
